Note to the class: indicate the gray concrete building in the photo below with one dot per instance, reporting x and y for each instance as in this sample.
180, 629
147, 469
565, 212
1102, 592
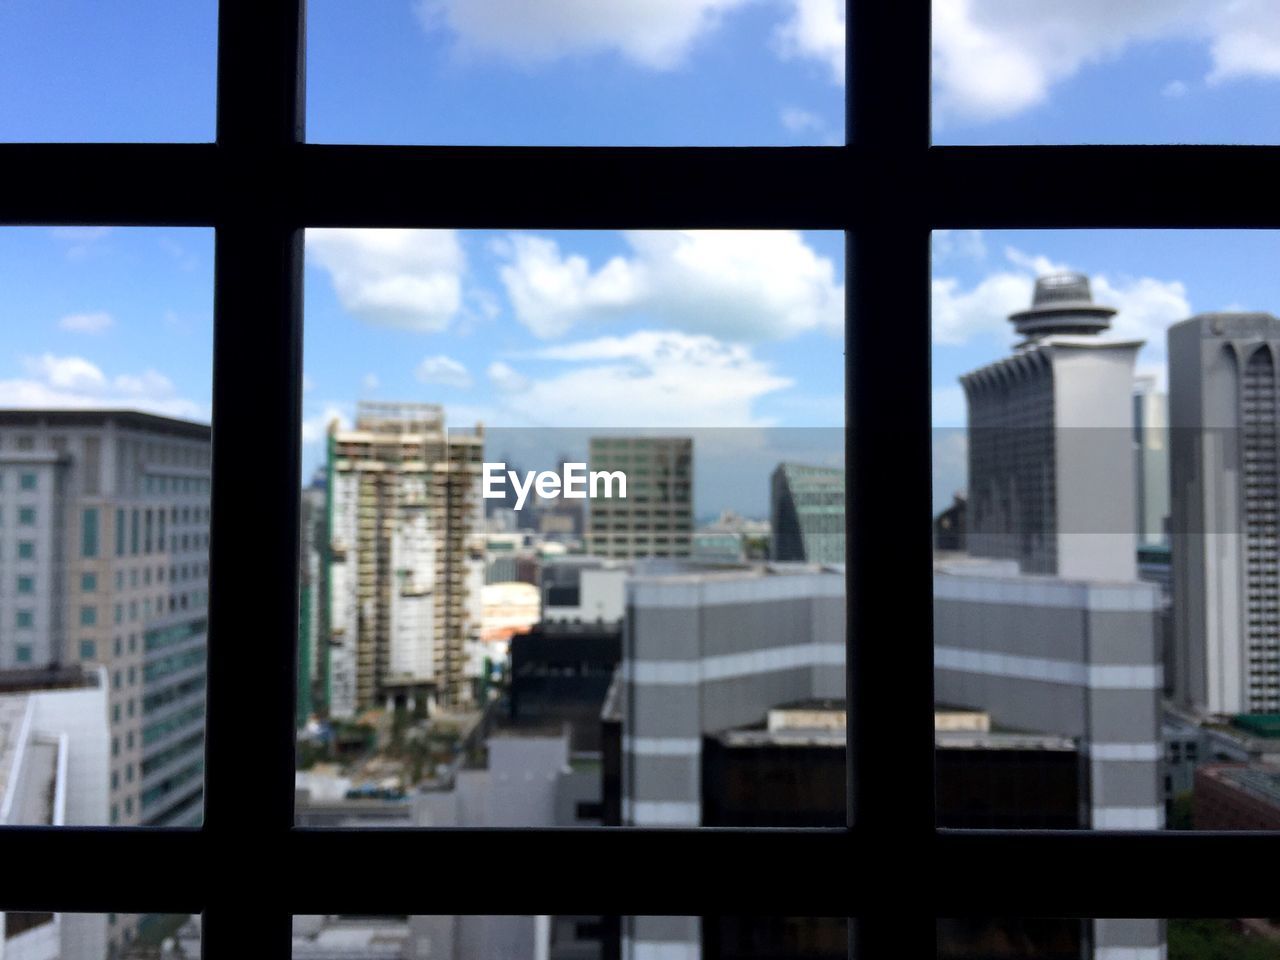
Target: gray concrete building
53, 772
1224, 423
104, 539
705, 652
1046, 626
1051, 465
806, 513
655, 518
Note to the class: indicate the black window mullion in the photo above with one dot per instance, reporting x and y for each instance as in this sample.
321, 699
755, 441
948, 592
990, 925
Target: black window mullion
888, 464
256, 446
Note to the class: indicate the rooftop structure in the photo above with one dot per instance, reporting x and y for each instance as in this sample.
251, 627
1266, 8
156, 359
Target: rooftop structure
1062, 303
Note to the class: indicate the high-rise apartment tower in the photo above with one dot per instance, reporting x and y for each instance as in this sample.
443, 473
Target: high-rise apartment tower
1225, 477
403, 505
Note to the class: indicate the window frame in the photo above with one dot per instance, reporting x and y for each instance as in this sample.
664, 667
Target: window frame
248, 869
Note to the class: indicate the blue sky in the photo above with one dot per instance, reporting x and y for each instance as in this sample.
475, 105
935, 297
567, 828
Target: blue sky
653, 71
1153, 277
717, 330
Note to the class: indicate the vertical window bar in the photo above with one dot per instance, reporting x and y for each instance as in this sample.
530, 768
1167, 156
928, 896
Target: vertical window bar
256, 448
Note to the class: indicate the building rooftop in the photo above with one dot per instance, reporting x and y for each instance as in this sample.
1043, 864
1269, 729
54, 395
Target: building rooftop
100, 416
1062, 303
1261, 781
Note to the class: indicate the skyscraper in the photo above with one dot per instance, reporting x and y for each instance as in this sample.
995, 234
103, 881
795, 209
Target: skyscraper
655, 518
1054, 633
404, 512
1223, 392
105, 552
1050, 442
806, 513
1151, 460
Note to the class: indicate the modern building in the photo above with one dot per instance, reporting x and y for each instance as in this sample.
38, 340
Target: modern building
1225, 472
1046, 626
54, 763
732, 539
949, 526
312, 601
584, 589
1151, 461
806, 513
655, 518
404, 521
104, 544
1050, 433
704, 652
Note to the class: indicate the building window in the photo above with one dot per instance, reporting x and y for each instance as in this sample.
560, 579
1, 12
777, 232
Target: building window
22, 653
26, 550
24, 619
134, 524
27, 481
88, 582
26, 516
119, 533
88, 616
26, 584
89, 532
88, 650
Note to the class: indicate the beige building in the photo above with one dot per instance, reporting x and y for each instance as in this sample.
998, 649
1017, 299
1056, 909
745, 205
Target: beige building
655, 518
404, 515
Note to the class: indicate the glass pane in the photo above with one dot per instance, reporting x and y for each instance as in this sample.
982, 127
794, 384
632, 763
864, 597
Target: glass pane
633, 938
1107, 643
669, 73
522, 449
79, 70
1140, 72
105, 396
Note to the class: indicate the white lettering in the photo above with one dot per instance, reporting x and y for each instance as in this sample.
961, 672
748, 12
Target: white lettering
494, 477
608, 478
574, 484
575, 481
521, 491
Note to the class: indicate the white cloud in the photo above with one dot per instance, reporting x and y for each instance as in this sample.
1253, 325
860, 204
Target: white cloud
1146, 306
657, 34
87, 322
550, 291
737, 285
399, 278
652, 378
996, 58
1174, 89
443, 370
316, 428
370, 382
77, 383
506, 379
959, 315
958, 243
652, 33
816, 30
